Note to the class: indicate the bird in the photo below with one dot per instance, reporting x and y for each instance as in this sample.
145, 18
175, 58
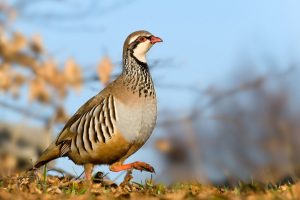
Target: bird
116, 122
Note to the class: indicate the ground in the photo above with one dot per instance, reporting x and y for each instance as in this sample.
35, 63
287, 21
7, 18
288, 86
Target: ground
38, 186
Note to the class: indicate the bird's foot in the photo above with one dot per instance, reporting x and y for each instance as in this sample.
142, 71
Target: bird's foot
142, 166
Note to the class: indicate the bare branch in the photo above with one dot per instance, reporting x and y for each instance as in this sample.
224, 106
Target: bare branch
23, 111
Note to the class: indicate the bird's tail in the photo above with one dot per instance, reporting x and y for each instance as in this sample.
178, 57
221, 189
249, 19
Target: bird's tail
49, 154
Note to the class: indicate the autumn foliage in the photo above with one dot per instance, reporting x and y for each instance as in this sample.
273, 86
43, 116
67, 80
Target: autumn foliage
25, 63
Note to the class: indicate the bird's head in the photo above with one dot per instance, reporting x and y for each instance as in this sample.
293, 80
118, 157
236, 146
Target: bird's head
138, 44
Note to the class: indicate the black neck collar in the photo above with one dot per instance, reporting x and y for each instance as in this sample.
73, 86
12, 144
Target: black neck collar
130, 59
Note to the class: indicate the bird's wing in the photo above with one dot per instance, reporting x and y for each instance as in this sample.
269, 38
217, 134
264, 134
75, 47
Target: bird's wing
92, 123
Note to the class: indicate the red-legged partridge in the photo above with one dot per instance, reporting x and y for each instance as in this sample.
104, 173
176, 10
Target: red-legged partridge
116, 122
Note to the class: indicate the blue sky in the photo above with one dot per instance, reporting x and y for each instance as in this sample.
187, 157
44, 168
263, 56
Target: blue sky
206, 41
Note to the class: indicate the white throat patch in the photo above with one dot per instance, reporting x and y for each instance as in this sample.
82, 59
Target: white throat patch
141, 50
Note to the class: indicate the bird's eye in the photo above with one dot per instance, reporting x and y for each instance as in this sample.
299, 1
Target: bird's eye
142, 39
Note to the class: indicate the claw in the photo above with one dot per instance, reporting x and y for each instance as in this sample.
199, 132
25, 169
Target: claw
143, 167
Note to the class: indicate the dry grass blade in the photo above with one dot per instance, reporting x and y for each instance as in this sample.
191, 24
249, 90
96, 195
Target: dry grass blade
128, 177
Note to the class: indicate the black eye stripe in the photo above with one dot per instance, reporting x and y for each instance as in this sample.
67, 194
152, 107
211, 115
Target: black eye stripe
134, 44
147, 37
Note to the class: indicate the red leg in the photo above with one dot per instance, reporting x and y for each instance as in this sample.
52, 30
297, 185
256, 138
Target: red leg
142, 166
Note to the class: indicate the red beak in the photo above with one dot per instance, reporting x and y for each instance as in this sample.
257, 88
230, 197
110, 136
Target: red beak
154, 39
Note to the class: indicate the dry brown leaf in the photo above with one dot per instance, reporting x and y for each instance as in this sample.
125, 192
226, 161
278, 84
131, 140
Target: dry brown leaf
24, 60
59, 83
17, 81
36, 44
5, 79
60, 115
73, 74
3, 38
104, 70
53, 76
38, 91
48, 70
10, 80
5, 46
18, 42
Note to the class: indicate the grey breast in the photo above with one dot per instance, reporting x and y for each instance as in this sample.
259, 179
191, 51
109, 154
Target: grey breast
137, 118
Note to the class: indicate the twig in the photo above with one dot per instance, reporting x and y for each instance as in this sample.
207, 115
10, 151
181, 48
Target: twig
24, 111
217, 97
127, 178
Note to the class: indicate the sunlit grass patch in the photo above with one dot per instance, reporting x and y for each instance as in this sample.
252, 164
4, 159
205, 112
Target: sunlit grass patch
42, 186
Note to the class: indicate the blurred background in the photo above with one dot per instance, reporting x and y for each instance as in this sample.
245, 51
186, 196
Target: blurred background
226, 76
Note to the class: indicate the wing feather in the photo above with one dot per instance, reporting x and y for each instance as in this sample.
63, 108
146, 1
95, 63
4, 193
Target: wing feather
99, 127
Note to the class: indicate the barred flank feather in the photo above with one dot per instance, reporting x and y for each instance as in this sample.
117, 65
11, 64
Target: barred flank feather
95, 126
